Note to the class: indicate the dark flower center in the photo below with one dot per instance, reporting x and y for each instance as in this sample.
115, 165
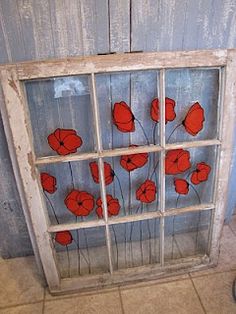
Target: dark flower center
128, 160
61, 143
80, 203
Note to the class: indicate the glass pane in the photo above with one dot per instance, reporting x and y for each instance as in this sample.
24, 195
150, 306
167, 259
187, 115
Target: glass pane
64, 104
187, 234
125, 107
70, 191
81, 252
190, 176
135, 244
195, 92
135, 182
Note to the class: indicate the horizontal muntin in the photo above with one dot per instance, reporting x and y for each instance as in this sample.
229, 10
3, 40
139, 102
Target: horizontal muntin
123, 151
130, 218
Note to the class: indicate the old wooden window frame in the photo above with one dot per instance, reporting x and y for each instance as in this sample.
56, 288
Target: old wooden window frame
16, 117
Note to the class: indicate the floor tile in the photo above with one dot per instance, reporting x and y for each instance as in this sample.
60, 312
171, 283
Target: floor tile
36, 308
227, 258
104, 303
19, 282
177, 297
215, 292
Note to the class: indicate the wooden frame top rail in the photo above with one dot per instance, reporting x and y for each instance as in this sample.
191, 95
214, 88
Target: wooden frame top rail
118, 63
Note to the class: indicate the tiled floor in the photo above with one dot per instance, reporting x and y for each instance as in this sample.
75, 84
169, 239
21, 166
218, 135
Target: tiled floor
208, 291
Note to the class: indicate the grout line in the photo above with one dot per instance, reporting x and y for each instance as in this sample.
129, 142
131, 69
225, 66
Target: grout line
204, 310
211, 273
44, 294
20, 304
121, 301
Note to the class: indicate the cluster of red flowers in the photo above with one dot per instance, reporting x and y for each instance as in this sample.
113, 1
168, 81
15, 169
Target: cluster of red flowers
200, 174
81, 203
124, 119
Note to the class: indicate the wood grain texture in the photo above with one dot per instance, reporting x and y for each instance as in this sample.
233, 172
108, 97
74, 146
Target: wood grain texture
30, 30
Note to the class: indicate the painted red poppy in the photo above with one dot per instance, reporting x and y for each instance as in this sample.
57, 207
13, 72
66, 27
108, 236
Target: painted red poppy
113, 206
181, 186
63, 237
201, 173
80, 203
146, 193
194, 119
177, 161
48, 182
64, 141
134, 161
169, 110
123, 117
108, 172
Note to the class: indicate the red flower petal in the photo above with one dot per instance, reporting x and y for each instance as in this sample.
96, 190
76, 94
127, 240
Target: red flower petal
48, 182
169, 110
194, 119
123, 117
63, 237
177, 161
133, 161
80, 203
113, 206
201, 173
146, 193
64, 141
181, 186
108, 172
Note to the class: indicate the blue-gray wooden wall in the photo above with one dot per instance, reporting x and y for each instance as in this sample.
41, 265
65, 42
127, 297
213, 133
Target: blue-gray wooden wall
31, 30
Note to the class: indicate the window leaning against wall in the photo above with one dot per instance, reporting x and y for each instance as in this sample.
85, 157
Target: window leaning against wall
124, 161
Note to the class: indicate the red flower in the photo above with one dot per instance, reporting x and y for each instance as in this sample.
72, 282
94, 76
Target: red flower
108, 172
169, 110
201, 173
181, 186
113, 206
123, 117
80, 203
194, 119
134, 161
64, 141
63, 237
177, 161
48, 182
146, 193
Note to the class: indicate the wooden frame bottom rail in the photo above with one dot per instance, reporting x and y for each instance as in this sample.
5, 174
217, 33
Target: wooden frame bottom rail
132, 275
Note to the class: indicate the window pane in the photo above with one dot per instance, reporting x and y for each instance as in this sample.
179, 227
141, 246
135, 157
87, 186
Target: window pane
69, 191
190, 176
135, 183
194, 91
61, 103
187, 234
136, 90
135, 244
81, 252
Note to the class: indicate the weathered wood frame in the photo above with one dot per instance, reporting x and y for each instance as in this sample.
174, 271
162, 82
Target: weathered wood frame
12, 80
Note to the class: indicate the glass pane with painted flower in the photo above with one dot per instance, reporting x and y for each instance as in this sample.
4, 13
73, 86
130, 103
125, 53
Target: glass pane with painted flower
196, 95
69, 191
60, 113
81, 252
189, 175
133, 181
126, 112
